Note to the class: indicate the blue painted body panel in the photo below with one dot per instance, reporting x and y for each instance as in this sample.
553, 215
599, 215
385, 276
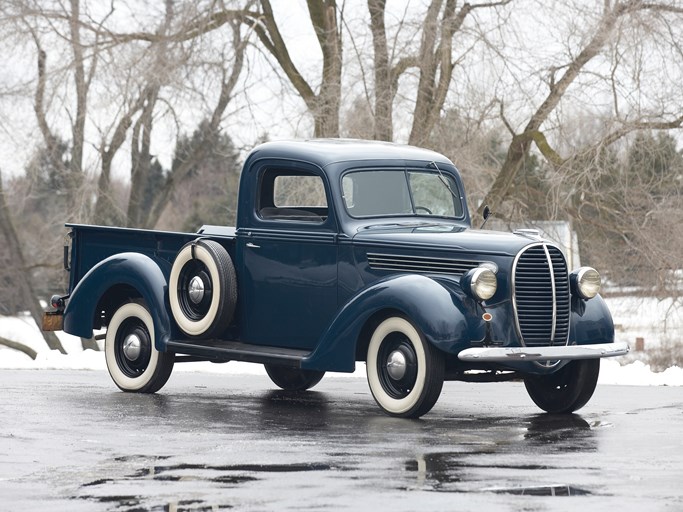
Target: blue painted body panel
310, 287
591, 322
129, 268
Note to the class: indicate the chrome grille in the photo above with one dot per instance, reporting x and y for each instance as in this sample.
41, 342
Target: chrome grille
419, 264
541, 296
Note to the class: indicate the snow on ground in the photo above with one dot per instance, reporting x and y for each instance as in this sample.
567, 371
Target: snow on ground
633, 317
656, 321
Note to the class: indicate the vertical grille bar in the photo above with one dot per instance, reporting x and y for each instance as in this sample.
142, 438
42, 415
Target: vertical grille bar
541, 296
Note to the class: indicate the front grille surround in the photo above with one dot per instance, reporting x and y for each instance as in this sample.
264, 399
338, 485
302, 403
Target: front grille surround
540, 296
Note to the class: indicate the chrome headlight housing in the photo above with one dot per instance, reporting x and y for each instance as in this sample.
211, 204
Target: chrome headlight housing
585, 282
480, 283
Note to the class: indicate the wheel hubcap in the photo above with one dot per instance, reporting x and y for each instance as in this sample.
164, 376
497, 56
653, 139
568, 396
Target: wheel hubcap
196, 290
396, 365
132, 346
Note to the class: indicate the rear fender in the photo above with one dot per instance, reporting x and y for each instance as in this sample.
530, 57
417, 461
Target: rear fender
136, 270
435, 311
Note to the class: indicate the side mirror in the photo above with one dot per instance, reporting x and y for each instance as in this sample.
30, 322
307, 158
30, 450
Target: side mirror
486, 213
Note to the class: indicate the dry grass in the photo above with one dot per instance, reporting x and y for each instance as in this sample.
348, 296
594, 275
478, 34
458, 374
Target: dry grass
665, 355
669, 353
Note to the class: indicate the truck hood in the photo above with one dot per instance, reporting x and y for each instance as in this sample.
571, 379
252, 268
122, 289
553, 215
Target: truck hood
444, 237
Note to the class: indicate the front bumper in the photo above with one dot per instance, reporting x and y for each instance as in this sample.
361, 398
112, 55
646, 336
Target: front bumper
567, 353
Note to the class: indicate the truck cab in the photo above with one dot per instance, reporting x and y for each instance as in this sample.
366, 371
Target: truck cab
345, 252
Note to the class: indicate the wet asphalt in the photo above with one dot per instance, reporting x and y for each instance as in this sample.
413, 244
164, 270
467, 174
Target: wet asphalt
70, 441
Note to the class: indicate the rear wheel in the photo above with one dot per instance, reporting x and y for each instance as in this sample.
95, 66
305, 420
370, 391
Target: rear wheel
293, 379
405, 373
566, 390
132, 360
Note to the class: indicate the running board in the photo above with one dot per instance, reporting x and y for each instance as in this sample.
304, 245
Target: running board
235, 351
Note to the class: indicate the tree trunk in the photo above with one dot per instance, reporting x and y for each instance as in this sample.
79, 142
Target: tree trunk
141, 160
75, 178
25, 291
324, 106
384, 88
90, 344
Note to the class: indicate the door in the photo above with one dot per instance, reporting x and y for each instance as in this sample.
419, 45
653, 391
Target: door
288, 268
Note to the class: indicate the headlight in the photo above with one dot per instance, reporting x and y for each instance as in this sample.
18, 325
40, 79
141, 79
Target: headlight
480, 283
585, 282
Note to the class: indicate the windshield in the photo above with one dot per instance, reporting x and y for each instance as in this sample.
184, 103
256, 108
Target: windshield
399, 192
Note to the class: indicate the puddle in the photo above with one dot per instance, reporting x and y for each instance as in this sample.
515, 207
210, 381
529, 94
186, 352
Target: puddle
542, 490
158, 472
562, 433
103, 490
464, 472
136, 504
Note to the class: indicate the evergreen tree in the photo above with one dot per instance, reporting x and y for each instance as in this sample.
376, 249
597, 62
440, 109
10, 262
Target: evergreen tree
208, 194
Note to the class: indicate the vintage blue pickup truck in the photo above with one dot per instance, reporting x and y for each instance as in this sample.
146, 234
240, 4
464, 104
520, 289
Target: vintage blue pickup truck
344, 251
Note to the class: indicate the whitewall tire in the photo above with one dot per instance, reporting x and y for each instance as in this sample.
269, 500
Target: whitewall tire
202, 289
132, 359
405, 373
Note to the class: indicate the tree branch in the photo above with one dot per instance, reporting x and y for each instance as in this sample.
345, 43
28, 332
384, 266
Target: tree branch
269, 34
20, 347
227, 86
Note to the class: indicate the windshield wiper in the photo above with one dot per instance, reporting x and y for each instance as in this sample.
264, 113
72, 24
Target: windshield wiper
443, 180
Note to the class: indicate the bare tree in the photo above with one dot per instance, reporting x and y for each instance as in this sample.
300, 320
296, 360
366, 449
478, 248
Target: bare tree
99, 87
325, 17
434, 60
611, 22
24, 285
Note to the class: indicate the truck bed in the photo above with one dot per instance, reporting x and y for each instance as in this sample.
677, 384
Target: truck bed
92, 244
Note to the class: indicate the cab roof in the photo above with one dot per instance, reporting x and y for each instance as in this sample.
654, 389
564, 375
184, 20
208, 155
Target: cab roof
324, 152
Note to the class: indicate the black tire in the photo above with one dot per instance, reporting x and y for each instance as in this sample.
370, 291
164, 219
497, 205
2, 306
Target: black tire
566, 390
203, 310
293, 379
405, 373
133, 362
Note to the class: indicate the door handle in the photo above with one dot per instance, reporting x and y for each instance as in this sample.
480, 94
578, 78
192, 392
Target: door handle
253, 246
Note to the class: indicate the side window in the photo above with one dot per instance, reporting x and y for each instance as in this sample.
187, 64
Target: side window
292, 196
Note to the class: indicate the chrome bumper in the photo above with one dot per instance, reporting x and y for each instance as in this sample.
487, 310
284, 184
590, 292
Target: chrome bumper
567, 352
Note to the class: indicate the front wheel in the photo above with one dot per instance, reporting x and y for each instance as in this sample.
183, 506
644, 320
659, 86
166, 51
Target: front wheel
132, 360
405, 373
293, 379
566, 390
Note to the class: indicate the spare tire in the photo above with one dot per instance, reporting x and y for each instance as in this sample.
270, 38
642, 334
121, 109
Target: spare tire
202, 289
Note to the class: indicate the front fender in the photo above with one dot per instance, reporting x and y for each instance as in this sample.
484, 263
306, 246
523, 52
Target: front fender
591, 322
130, 268
436, 311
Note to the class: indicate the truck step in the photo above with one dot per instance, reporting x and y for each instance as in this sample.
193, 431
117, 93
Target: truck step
237, 351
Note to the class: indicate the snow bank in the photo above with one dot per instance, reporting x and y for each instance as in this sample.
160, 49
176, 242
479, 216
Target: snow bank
633, 317
638, 374
611, 372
